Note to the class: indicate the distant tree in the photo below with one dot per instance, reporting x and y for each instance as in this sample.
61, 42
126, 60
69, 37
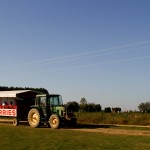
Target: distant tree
107, 109
83, 105
98, 108
144, 107
83, 101
90, 107
83, 108
73, 106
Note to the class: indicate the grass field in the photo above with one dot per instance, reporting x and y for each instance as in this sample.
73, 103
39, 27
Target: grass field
25, 137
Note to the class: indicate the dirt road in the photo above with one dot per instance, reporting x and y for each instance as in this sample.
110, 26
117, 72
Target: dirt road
114, 129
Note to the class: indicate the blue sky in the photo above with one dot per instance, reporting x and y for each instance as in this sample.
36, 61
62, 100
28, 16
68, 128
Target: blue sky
97, 49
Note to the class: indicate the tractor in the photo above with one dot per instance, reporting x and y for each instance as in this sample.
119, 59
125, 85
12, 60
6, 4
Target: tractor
48, 109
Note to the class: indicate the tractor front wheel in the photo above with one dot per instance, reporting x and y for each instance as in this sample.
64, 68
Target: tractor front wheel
34, 118
54, 121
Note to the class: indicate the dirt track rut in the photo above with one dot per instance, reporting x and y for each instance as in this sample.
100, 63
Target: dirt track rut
106, 129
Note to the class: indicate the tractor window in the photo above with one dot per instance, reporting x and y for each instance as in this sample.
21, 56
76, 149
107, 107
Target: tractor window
55, 100
43, 101
60, 100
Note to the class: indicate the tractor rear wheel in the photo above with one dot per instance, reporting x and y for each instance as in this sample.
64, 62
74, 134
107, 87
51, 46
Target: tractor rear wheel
54, 121
34, 118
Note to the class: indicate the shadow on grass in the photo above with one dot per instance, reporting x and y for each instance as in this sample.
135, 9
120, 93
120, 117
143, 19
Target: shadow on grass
92, 126
78, 126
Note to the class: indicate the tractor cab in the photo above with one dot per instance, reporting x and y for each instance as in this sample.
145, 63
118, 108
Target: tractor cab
49, 104
49, 108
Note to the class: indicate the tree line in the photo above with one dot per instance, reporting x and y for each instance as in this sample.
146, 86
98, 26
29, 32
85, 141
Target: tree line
84, 106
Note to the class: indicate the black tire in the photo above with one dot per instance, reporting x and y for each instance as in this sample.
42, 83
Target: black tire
15, 122
74, 122
54, 121
34, 118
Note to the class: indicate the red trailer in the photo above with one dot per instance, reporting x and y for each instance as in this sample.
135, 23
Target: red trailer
15, 105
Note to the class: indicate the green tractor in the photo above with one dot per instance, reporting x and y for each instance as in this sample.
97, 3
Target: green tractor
49, 110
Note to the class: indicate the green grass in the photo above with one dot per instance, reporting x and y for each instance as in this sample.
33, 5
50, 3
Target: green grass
25, 137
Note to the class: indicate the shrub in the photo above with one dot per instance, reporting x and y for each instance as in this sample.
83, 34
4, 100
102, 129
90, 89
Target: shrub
123, 118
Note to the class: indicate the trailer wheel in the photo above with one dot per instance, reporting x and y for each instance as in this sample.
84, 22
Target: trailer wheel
15, 122
54, 121
34, 118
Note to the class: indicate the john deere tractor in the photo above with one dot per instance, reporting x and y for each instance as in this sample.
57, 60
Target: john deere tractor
49, 109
